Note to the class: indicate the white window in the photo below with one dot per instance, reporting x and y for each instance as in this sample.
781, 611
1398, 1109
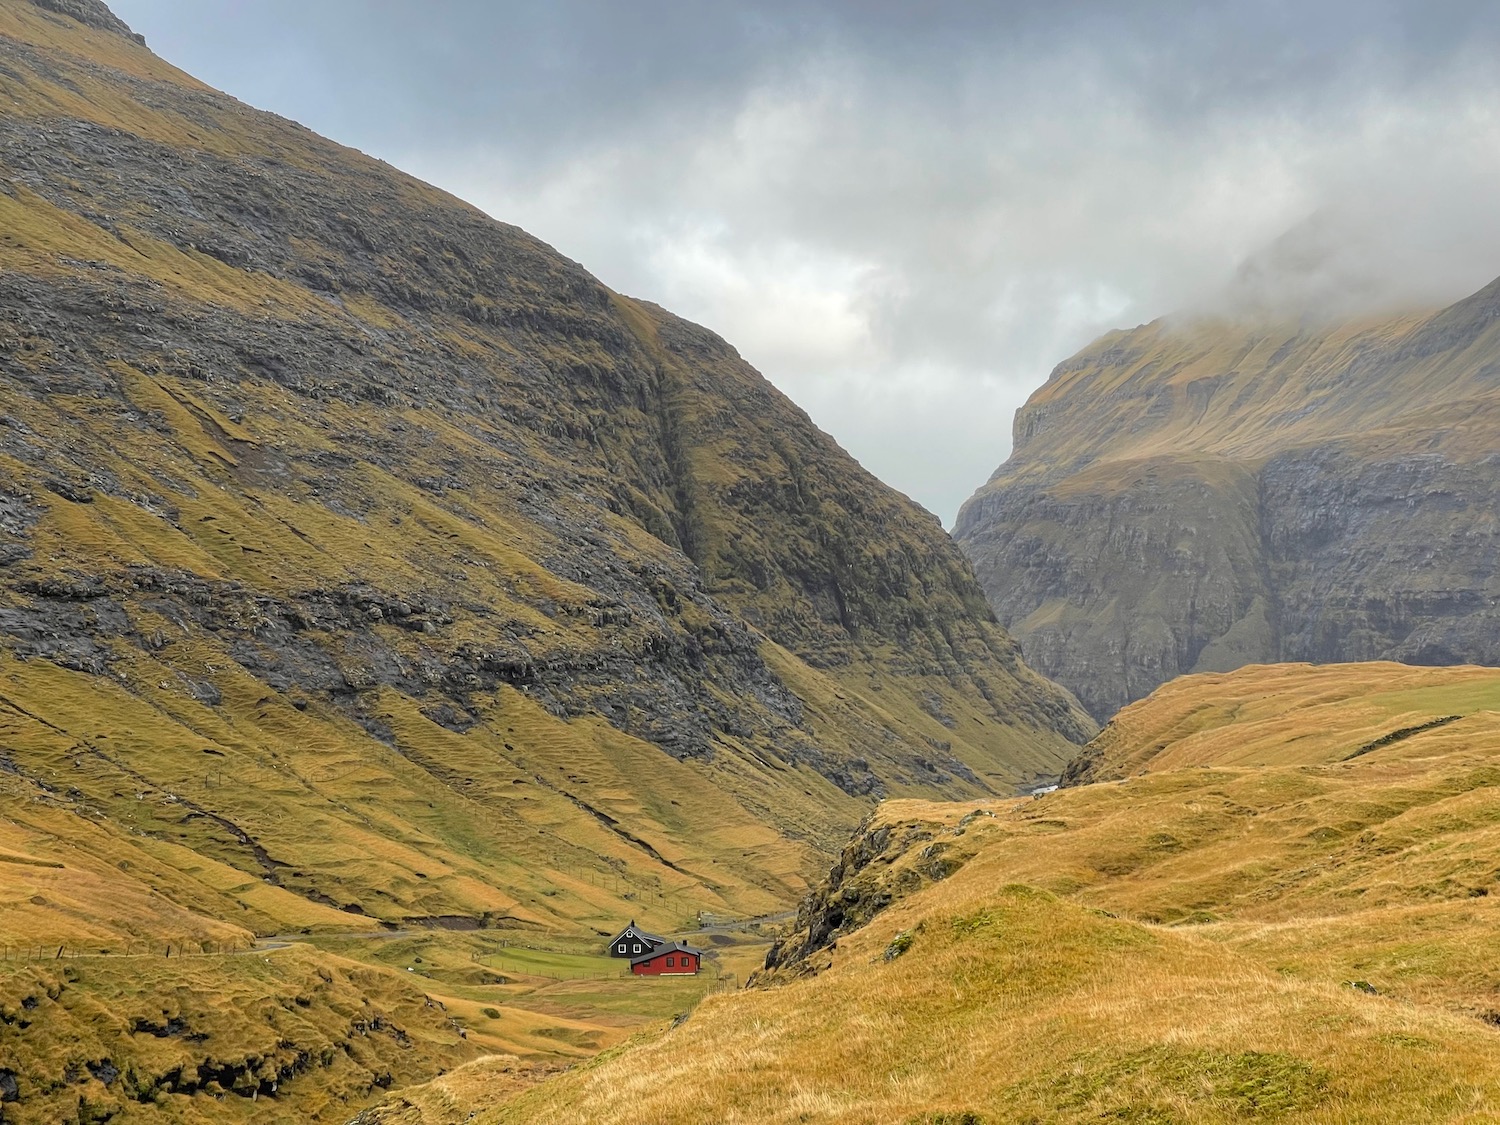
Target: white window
622, 947
638, 949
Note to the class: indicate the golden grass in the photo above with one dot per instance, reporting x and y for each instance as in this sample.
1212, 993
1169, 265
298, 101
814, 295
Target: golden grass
1012, 1006
1295, 714
446, 1100
187, 796
1304, 939
1239, 390
487, 823
321, 1030
36, 234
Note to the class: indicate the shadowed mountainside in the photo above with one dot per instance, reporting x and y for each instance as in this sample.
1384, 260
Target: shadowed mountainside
364, 562
1191, 497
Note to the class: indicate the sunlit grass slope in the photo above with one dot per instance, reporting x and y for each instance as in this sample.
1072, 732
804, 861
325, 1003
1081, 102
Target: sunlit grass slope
282, 819
1307, 938
1293, 714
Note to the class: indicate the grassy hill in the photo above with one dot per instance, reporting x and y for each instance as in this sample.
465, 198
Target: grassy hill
1196, 494
1293, 714
366, 566
1298, 932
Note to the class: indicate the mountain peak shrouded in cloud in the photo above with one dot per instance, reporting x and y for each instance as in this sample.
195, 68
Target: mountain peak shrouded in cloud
1321, 267
1365, 256
906, 215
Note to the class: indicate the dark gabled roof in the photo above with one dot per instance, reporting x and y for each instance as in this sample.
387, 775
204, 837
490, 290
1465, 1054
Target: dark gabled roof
675, 947
653, 939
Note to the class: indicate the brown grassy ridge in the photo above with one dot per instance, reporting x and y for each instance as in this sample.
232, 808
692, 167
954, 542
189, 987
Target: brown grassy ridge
1297, 940
1290, 714
1237, 389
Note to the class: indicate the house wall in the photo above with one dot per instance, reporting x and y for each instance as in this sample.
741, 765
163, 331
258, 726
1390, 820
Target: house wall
630, 948
657, 966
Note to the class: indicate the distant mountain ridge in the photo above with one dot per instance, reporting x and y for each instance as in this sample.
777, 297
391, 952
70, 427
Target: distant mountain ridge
1194, 495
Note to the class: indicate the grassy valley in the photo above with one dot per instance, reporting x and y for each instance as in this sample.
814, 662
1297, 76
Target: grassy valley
1296, 932
389, 611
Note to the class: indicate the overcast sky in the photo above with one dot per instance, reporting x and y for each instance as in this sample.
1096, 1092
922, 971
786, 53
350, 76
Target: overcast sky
905, 214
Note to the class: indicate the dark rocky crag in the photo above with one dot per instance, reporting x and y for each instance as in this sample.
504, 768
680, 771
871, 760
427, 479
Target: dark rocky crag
1198, 496
880, 865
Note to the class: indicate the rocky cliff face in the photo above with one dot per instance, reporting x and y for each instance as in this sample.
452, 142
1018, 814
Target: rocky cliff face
284, 428
1190, 497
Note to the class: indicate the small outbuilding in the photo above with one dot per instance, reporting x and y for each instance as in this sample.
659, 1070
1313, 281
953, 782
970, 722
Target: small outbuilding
633, 941
674, 960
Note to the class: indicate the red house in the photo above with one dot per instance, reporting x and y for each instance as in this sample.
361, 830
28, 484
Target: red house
668, 961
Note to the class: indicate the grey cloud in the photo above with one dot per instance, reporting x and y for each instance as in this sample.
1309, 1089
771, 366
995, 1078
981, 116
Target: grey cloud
440, 68
906, 213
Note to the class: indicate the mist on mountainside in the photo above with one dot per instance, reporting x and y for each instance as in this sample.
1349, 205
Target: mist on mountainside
1358, 259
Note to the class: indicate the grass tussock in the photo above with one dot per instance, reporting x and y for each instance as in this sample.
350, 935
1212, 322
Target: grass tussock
246, 1037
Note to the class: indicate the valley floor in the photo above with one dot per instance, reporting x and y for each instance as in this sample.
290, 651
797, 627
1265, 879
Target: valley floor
312, 1027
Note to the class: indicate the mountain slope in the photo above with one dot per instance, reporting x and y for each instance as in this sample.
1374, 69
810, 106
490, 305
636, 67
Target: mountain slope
1229, 936
290, 434
364, 563
1194, 496
1292, 714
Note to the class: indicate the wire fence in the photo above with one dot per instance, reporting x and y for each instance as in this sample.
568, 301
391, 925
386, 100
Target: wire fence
28, 954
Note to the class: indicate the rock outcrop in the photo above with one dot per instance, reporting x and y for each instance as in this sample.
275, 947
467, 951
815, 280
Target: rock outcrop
1195, 496
880, 865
